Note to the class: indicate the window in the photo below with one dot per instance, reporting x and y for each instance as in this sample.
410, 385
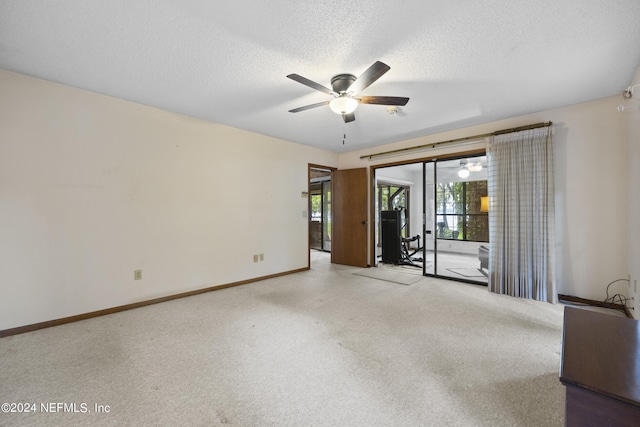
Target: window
459, 211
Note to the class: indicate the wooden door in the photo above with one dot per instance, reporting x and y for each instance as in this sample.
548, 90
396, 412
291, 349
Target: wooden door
349, 217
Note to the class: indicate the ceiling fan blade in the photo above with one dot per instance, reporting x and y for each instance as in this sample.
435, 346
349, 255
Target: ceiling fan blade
383, 100
305, 81
308, 107
348, 117
370, 75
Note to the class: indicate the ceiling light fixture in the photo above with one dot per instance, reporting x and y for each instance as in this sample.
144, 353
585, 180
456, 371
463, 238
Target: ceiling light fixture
343, 104
474, 167
463, 173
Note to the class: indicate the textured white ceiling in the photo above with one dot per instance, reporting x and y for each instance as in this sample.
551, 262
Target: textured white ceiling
461, 62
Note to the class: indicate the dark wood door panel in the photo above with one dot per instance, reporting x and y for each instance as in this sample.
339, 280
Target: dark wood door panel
349, 218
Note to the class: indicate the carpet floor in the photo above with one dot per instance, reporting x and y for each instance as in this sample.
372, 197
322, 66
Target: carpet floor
323, 347
389, 275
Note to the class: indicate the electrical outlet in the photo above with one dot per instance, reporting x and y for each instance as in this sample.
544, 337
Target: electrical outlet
255, 258
261, 257
137, 274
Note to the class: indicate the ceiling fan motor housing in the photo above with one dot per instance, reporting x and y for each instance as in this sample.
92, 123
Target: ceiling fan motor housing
342, 82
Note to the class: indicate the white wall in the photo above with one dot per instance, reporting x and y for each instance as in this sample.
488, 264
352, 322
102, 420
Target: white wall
591, 188
632, 117
92, 188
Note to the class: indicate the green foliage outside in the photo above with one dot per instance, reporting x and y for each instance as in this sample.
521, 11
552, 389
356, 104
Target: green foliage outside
458, 211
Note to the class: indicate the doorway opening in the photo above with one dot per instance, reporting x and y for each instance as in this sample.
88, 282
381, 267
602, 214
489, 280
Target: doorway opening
337, 214
320, 210
394, 241
447, 198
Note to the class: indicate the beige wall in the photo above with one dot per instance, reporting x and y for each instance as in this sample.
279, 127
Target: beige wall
93, 188
591, 188
632, 117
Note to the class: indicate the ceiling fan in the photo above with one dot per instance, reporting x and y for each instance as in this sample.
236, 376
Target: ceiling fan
344, 90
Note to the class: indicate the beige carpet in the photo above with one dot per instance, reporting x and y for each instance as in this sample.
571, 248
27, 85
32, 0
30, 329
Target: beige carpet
467, 273
389, 275
319, 348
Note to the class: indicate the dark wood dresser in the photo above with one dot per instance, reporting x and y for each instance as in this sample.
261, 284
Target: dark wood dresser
600, 369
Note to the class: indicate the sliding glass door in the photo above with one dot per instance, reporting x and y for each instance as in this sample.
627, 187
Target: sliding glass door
456, 231
431, 217
429, 266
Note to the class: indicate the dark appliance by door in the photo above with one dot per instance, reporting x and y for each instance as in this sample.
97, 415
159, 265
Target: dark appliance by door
391, 236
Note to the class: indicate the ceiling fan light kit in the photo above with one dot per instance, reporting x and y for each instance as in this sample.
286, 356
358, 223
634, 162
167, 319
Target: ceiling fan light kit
474, 167
467, 167
344, 88
463, 173
343, 104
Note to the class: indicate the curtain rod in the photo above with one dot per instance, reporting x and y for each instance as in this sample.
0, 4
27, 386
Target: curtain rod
466, 138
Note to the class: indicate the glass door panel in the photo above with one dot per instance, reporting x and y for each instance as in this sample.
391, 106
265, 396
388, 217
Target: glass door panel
429, 236
461, 224
315, 224
398, 237
326, 216
320, 217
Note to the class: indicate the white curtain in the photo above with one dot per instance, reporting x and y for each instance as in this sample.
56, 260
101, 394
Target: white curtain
521, 215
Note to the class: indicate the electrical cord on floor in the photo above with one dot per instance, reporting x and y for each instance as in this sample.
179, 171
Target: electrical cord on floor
618, 298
